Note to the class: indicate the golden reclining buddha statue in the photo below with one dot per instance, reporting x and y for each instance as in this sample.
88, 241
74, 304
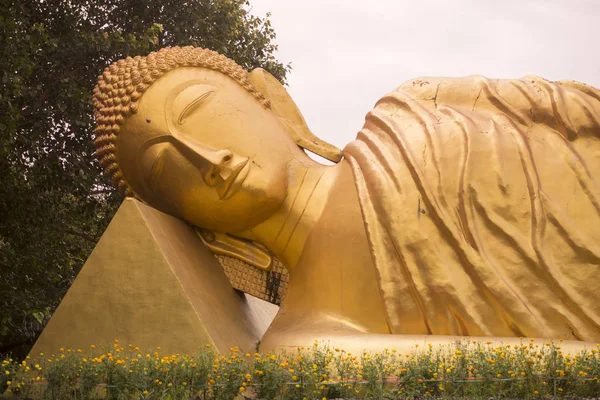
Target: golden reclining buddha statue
464, 207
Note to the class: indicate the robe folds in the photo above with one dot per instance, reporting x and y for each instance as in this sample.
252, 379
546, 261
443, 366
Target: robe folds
481, 201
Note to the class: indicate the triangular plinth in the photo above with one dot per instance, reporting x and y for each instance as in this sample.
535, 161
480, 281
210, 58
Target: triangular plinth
151, 282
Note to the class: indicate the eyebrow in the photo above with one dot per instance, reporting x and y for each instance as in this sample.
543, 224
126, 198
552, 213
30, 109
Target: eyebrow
193, 105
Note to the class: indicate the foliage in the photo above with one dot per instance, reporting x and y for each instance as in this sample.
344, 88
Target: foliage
467, 370
54, 204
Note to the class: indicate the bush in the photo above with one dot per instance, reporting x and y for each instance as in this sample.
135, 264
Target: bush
472, 370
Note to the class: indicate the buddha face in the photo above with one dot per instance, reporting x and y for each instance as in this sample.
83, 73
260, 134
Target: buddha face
203, 149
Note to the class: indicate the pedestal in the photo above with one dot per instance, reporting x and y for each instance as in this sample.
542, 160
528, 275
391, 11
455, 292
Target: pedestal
151, 282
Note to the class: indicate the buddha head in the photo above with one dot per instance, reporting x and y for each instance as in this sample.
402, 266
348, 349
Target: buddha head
192, 134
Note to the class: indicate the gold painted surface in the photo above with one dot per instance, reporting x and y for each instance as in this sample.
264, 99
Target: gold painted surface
150, 282
499, 232
465, 207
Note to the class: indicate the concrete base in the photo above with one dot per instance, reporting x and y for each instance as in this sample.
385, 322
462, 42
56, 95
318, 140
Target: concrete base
151, 282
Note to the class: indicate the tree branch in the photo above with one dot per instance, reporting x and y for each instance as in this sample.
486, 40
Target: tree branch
81, 235
99, 191
34, 107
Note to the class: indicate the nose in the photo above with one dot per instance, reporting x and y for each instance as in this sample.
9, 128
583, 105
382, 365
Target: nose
215, 164
220, 165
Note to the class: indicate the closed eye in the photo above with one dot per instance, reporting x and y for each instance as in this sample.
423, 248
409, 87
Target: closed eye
193, 105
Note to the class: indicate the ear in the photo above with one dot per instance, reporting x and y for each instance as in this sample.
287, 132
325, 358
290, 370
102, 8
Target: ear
289, 114
244, 250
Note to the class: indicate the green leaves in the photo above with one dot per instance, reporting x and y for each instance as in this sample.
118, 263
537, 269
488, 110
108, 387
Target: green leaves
54, 202
39, 316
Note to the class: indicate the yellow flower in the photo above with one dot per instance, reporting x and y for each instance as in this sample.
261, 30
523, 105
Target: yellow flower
7, 372
242, 389
170, 384
145, 392
536, 392
294, 378
8, 383
297, 386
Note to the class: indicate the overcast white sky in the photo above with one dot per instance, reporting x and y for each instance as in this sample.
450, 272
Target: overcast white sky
346, 54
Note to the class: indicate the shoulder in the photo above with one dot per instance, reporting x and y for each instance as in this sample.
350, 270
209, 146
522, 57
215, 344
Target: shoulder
444, 90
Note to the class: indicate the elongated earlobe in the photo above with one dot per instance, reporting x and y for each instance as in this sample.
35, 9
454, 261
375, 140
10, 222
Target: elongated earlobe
289, 114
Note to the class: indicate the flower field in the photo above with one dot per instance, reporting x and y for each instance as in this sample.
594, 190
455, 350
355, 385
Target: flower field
472, 370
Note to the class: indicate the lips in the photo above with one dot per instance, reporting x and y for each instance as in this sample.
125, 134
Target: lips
235, 179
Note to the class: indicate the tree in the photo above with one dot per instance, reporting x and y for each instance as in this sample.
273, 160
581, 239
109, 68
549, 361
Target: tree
54, 202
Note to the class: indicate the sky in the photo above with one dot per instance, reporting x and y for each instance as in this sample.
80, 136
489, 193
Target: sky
346, 54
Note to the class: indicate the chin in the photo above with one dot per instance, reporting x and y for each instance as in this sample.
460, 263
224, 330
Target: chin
252, 215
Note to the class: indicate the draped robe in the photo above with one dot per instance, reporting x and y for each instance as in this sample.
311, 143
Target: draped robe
481, 202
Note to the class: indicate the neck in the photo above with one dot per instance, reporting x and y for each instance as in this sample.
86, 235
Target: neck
286, 232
